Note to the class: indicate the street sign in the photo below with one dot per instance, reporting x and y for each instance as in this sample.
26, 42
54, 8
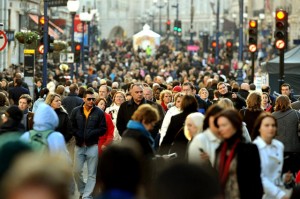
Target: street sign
10, 34
29, 62
56, 3
3, 40
66, 58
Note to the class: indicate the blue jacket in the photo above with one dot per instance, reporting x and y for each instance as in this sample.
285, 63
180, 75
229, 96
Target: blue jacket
87, 130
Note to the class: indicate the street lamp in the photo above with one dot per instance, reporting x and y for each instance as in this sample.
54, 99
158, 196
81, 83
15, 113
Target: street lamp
160, 6
73, 6
84, 17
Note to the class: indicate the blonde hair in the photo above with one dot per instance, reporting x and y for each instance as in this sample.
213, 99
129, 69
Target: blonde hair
50, 97
146, 113
198, 120
225, 103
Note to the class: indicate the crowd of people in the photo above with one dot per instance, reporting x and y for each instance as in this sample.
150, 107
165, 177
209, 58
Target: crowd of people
164, 126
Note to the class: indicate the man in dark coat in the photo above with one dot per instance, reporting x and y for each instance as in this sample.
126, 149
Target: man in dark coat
238, 101
129, 107
16, 91
72, 100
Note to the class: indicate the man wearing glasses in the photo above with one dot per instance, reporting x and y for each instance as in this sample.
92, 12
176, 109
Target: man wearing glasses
88, 124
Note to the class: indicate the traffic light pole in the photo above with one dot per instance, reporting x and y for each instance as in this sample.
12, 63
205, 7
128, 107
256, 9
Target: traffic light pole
241, 45
177, 18
252, 67
217, 33
82, 48
281, 69
45, 40
73, 44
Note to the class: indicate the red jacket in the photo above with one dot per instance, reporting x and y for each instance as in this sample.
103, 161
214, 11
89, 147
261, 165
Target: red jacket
108, 136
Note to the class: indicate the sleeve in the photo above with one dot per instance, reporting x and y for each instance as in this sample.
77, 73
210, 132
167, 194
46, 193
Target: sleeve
110, 130
74, 125
193, 151
121, 126
164, 126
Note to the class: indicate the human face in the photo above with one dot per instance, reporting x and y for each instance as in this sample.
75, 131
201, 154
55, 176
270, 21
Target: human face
222, 89
178, 102
167, 98
186, 90
285, 90
264, 99
137, 93
56, 103
148, 95
89, 100
204, 94
267, 129
119, 99
157, 94
212, 126
101, 104
39, 84
226, 129
23, 105
103, 92
192, 128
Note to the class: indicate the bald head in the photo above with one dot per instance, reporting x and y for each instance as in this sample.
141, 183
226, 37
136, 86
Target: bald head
245, 86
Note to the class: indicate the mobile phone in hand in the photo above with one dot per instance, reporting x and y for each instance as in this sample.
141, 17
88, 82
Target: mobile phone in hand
201, 150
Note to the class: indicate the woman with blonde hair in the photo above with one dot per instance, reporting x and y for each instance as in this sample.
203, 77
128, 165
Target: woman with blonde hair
165, 98
142, 121
64, 126
193, 125
118, 98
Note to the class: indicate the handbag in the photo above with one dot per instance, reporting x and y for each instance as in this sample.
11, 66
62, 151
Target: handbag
171, 149
298, 130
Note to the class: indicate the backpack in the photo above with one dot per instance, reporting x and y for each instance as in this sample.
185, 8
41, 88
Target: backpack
38, 140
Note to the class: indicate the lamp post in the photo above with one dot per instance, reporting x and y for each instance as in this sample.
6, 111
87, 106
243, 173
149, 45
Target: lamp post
73, 6
160, 6
84, 17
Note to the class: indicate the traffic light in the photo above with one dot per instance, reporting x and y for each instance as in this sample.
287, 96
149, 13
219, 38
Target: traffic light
175, 29
229, 46
213, 47
41, 23
86, 53
77, 52
252, 36
281, 25
168, 25
179, 30
50, 43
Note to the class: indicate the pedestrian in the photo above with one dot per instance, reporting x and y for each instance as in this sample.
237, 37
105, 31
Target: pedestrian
174, 140
142, 121
203, 147
72, 100
271, 156
25, 103
286, 90
287, 133
237, 162
88, 124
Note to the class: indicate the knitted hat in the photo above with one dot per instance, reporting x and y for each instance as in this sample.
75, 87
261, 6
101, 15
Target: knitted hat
176, 89
14, 113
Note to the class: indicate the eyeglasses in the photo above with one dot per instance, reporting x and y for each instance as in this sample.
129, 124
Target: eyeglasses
90, 99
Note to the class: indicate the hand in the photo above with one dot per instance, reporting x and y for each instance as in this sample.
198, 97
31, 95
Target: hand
103, 147
285, 197
288, 177
204, 156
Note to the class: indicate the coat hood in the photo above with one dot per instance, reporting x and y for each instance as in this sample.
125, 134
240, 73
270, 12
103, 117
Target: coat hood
45, 118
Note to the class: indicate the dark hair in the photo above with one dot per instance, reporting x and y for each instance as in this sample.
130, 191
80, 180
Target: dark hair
81, 91
43, 92
284, 85
98, 99
73, 88
235, 119
258, 121
89, 91
211, 111
126, 178
189, 84
189, 104
3, 99
181, 180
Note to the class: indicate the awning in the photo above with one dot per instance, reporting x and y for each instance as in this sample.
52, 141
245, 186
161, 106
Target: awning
35, 18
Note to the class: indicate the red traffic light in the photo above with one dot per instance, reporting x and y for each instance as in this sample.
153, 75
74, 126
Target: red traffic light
78, 47
229, 44
169, 22
213, 44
